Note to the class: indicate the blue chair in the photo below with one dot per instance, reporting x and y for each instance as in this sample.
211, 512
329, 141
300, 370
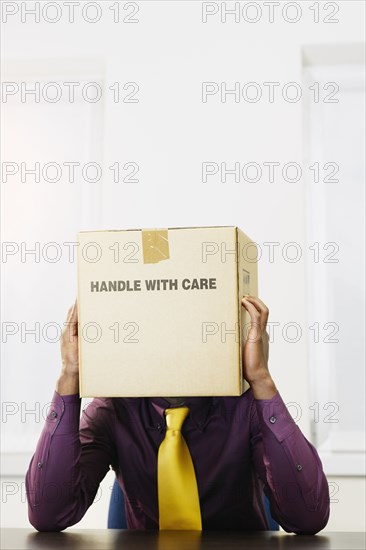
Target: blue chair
273, 525
117, 513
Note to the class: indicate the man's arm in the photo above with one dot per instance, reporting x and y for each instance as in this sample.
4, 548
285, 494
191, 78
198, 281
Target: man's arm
290, 468
285, 460
68, 465
70, 460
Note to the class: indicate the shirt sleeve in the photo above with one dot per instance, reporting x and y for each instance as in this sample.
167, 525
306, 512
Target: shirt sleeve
290, 468
72, 456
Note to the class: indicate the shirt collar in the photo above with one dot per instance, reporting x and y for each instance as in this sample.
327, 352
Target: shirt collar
198, 409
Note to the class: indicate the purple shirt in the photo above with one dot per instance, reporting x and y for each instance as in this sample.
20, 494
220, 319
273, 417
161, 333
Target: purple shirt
240, 446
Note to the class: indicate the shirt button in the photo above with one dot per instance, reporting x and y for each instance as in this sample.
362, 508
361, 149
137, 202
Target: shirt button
272, 419
299, 467
40, 464
158, 426
53, 414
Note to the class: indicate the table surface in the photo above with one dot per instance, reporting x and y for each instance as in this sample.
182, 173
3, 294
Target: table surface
111, 539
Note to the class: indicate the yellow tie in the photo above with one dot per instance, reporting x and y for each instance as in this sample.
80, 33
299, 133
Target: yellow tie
179, 505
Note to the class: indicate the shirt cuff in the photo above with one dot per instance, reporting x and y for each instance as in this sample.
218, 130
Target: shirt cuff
275, 418
72, 398
63, 415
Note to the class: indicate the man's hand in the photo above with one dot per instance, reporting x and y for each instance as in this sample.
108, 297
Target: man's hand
255, 351
68, 383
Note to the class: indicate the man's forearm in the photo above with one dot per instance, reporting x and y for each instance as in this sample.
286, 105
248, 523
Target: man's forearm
264, 389
51, 476
68, 384
290, 465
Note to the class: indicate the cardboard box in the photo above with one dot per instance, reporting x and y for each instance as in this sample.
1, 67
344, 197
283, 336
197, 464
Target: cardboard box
160, 311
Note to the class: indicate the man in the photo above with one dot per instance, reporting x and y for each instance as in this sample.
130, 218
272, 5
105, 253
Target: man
240, 446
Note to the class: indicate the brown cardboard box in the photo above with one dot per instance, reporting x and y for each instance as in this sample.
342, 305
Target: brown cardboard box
160, 311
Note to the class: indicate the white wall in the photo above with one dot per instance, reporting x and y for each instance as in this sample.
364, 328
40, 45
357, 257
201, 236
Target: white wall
169, 133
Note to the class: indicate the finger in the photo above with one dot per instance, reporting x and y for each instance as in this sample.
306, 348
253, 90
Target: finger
264, 311
261, 308
255, 316
74, 313
69, 311
73, 320
261, 312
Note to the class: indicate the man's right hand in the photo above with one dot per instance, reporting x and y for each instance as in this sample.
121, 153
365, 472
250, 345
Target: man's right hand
68, 382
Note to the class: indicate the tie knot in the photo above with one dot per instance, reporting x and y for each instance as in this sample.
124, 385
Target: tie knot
175, 417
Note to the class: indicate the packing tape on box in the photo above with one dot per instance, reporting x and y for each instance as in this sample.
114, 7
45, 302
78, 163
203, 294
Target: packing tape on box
155, 245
